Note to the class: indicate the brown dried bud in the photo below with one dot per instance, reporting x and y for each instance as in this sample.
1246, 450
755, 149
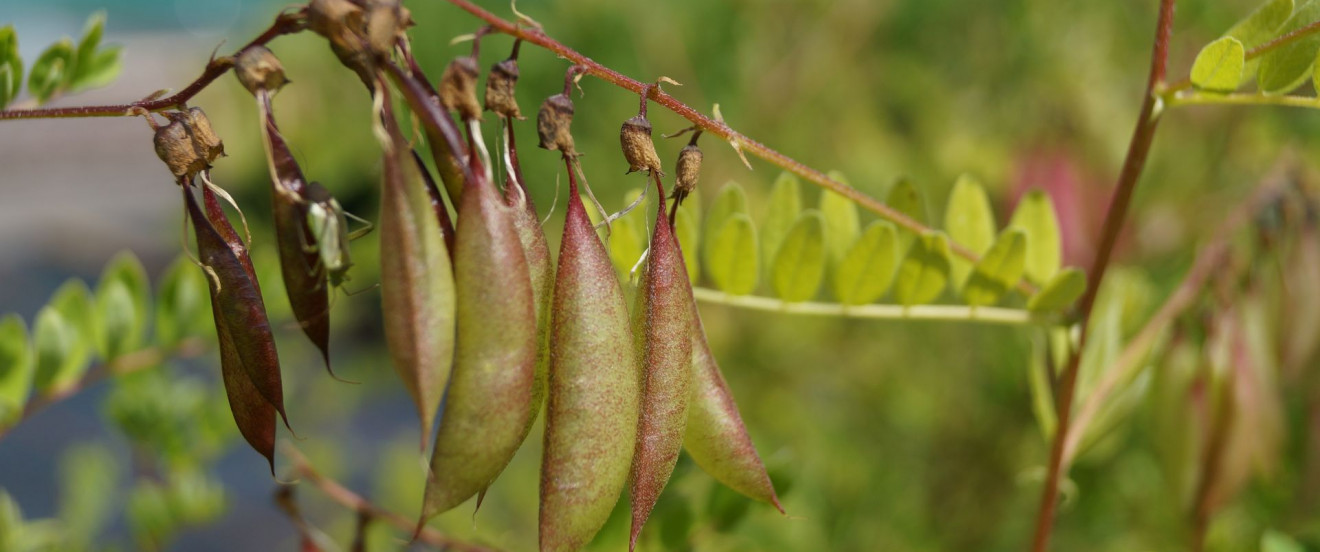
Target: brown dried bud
334, 19
635, 136
386, 22
553, 122
258, 69
458, 88
689, 170
174, 146
207, 144
499, 89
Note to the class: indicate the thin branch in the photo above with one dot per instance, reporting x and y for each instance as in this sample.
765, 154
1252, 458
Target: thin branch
1138, 149
285, 23
355, 502
718, 128
125, 364
1204, 98
948, 313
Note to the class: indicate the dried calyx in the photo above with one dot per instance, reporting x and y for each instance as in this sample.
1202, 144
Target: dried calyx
458, 84
257, 68
187, 144
688, 167
500, 86
359, 30
635, 137
554, 120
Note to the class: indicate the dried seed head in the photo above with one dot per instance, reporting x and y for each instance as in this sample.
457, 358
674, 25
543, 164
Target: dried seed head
458, 87
635, 136
258, 69
334, 19
499, 89
207, 144
386, 22
553, 122
689, 170
174, 146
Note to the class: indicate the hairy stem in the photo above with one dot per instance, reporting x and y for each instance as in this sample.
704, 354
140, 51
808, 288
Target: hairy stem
1138, 149
948, 313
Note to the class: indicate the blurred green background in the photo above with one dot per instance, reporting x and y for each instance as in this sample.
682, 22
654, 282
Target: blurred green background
880, 435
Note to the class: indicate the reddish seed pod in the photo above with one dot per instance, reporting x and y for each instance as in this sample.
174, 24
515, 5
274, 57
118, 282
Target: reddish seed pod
539, 266
257, 68
499, 89
458, 87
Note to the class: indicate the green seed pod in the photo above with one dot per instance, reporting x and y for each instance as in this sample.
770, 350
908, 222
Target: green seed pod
500, 84
417, 287
638, 149
490, 393
257, 68
716, 438
591, 416
458, 88
663, 325
174, 146
537, 253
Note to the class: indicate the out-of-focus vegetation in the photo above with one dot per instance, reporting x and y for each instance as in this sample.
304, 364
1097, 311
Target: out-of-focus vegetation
879, 435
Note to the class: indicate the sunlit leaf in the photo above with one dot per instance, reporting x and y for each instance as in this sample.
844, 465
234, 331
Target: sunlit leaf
1035, 216
75, 304
781, 213
731, 200
91, 40
799, 264
1059, 293
1219, 65
11, 66
123, 274
924, 274
734, 262
868, 269
970, 221
841, 222
1287, 67
50, 70
904, 197
998, 270
1275, 541
181, 303
15, 369
52, 338
1262, 24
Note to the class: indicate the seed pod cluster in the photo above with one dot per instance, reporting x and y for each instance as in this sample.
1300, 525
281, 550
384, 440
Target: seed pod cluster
458, 88
257, 68
187, 144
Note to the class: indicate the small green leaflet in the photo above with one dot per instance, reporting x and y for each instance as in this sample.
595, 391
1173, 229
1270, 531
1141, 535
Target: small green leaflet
689, 239
970, 221
905, 198
1035, 216
868, 269
1288, 66
1059, 293
1219, 65
128, 312
999, 269
799, 264
841, 222
11, 66
733, 256
781, 213
1263, 24
925, 272
730, 201
53, 338
1275, 541
15, 369
181, 308
50, 70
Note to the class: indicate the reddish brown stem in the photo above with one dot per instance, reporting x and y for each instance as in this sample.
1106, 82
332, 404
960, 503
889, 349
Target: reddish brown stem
1138, 149
285, 23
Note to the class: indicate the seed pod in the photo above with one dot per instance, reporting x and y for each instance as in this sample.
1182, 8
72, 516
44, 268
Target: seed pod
387, 20
490, 393
716, 438
591, 416
417, 286
635, 137
500, 87
174, 146
447, 145
204, 140
688, 170
553, 122
532, 237
663, 325
257, 68
458, 88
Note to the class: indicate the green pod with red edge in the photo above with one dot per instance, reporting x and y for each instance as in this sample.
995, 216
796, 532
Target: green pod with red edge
539, 267
489, 398
243, 331
716, 438
592, 407
663, 326
416, 280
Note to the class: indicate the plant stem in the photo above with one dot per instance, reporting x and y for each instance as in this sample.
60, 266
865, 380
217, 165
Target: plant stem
1138, 149
713, 126
1203, 98
951, 313
285, 23
355, 502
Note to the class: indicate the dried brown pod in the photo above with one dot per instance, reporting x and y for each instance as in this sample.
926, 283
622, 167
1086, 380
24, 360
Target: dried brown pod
555, 119
635, 138
500, 83
204, 140
386, 21
333, 18
174, 146
458, 87
688, 170
257, 68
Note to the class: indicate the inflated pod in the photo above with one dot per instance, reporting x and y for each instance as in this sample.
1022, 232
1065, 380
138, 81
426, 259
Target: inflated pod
537, 253
591, 415
490, 393
442, 135
663, 326
716, 438
416, 281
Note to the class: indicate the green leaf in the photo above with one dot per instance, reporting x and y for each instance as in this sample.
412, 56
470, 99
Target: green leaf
1059, 293
1035, 216
11, 66
91, 39
970, 221
131, 315
781, 213
1287, 67
1274, 541
868, 269
1038, 384
181, 304
625, 246
925, 272
1263, 24
103, 69
15, 369
733, 256
730, 201
799, 264
50, 70
841, 223
1219, 65
689, 240
53, 338
998, 270
905, 198
89, 482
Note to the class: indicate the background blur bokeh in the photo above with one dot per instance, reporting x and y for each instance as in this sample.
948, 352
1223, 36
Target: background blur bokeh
881, 435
